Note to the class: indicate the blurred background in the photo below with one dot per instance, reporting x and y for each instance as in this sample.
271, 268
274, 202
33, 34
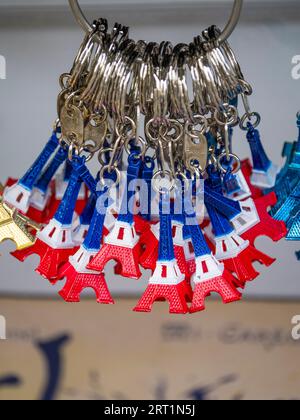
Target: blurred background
240, 351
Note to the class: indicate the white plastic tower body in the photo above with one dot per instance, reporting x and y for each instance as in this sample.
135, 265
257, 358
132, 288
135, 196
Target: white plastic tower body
167, 273
18, 197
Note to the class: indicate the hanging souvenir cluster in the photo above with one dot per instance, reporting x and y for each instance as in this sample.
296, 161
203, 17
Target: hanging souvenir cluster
190, 210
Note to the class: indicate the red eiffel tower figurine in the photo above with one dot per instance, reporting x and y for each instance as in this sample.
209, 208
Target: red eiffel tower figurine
122, 243
255, 220
167, 282
237, 254
79, 277
55, 242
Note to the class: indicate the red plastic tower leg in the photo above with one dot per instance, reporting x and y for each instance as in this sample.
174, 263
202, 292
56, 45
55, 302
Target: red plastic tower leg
10, 182
176, 295
184, 268
192, 270
51, 259
37, 215
127, 258
141, 225
181, 261
267, 226
77, 282
191, 267
242, 265
221, 285
118, 269
149, 256
205, 223
247, 172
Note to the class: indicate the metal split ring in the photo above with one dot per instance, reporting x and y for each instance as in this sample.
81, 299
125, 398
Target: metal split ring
158, 176
110, 169
247, 118
229, 156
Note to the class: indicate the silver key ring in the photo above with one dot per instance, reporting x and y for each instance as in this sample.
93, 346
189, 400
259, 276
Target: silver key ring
230, 156
110, 170
247, 118
141, 142
158, 176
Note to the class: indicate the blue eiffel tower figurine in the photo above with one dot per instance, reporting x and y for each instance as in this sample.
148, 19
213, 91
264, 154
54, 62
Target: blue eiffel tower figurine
295, 164
287, 186
292, 205
264, 171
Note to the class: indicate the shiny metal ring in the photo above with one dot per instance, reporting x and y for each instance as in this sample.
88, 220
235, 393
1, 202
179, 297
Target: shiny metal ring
197, 120
89, 150
231, 156
73, 149
159, 175
120, 127
151, 124
231, 121
248, 118
142, 142
101, 153
154, 155
185, 179
178, 127
109, 169
63, 80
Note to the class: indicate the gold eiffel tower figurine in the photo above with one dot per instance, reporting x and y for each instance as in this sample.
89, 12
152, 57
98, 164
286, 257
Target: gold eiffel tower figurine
14, 226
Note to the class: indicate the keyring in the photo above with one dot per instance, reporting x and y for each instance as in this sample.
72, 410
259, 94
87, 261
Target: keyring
163, 175
142, 142
247, 119
109, 170
103, 152
231, 156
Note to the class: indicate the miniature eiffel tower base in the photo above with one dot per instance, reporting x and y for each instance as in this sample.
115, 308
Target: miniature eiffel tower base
267, 226
242, 264
176, 295
77, 282
127, 258
221, 285
51, 259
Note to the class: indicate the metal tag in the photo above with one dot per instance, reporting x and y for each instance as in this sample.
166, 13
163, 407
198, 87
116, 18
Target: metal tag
195, 152
95, 133
72, 125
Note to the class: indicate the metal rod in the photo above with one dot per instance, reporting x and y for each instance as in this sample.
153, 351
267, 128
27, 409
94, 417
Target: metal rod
79, 16
231, 25
233, 21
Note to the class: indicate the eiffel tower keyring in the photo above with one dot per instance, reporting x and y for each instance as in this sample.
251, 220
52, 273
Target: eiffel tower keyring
160, 123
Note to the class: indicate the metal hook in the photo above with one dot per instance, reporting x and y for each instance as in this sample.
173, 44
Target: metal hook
79, 16
232, 23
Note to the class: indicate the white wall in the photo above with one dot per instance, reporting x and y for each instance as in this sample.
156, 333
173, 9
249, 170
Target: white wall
39, 45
